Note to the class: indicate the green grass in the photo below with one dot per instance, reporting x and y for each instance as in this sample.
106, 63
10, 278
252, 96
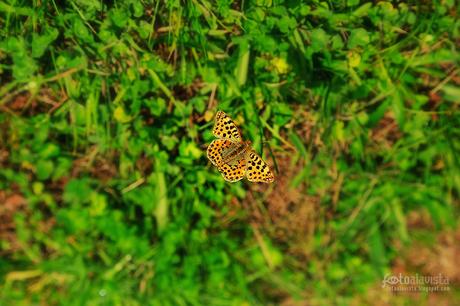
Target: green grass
106, 108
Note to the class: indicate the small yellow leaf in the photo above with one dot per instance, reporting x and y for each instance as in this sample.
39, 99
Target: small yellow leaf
280, 65
208, 115
354, 59
120, 115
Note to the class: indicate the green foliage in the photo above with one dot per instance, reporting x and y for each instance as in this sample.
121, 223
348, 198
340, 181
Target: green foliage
106, 109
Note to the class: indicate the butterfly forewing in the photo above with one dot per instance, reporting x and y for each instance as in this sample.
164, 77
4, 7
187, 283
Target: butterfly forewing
224, 127
257, 169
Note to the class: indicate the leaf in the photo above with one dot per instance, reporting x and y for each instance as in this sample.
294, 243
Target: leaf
22, 11
44, 169
286, 24
24, 65
336, 272
319, 39
451, 93
41, 43
62, 167
398, 108
376, 247
190, 150
241, 72
354, 59
352, 2
49, 150
144, 29
358, 38
81, 31
363, 10
280, 64
120, 115
98, 204
400, 218
119, 17
77, 191
161, 202
336, 42
156, 106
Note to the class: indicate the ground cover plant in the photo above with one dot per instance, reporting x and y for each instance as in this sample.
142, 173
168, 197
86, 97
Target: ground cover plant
106, 110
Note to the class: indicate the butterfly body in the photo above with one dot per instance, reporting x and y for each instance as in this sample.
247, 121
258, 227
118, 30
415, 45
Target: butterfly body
236, 151
232, 156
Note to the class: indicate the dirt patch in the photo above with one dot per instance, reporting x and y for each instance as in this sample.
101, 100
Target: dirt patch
387, 132
45, 101
102, 168
10, 204
185, 93
19, 102
4, 154
285, 213
440, 258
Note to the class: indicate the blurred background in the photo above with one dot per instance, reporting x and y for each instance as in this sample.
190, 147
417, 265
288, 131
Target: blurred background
106, 194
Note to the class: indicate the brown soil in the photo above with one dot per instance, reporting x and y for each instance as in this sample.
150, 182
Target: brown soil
10, 204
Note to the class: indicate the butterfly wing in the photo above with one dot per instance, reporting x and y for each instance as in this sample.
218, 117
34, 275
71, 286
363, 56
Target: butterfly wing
257, 169
224, 127
215, 150
233, 173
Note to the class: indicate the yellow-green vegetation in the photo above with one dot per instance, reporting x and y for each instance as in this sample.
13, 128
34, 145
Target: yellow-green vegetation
106, 109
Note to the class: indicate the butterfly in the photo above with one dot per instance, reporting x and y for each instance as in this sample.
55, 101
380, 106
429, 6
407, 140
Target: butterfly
233, 157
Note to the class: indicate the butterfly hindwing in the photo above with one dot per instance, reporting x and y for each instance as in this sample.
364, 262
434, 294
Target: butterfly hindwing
257, 169
235, 172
